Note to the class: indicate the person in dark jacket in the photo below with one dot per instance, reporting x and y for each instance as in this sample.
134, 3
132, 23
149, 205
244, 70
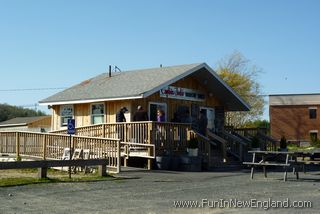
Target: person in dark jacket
120, 115
121, 118
140, 115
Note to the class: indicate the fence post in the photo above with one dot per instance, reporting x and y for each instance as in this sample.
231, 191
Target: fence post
44, 145
118, 157
17, 146
150, 141
1, 142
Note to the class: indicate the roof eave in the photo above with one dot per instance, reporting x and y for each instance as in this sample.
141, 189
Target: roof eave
50, 103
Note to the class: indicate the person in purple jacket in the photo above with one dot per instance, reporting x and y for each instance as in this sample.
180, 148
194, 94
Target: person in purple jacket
161, 116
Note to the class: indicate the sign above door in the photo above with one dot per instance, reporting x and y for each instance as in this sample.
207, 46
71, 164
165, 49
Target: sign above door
182, 93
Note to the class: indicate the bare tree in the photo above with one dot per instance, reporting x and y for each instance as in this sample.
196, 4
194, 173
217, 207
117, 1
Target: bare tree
241, 75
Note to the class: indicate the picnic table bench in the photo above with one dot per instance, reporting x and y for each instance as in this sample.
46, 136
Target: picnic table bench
304, 158
43, 165
294, 159
270, 158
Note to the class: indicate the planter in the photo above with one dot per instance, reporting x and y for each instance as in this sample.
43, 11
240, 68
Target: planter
174, 163
192, 152
192, 164
163, 162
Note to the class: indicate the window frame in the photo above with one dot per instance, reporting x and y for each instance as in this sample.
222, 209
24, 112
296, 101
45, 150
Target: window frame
313, 132
93, 115
313, 116
64, 116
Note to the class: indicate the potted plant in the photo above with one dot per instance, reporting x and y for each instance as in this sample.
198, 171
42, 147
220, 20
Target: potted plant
193, 147
255, 144
283, 144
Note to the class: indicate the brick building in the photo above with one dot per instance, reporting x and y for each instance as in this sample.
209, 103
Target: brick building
294, 116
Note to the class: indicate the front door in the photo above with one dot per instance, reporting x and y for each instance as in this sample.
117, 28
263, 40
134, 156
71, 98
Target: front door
153, 107
210, 115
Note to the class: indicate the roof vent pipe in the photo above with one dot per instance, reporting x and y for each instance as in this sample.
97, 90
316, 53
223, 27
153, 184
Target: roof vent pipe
109, 70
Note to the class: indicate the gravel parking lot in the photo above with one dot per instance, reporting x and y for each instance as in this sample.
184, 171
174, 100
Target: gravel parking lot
140, 191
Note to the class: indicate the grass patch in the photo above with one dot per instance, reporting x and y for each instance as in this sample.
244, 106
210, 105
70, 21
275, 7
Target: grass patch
19, 177
293, 147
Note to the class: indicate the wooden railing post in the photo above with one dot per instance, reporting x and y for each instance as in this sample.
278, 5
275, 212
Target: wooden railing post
44, 147
103, 130
118, 157
17, 146
149, 141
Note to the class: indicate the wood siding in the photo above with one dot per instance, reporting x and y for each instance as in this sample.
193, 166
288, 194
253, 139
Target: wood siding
41, 123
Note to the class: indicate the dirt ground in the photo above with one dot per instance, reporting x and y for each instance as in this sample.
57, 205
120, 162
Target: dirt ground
140, 191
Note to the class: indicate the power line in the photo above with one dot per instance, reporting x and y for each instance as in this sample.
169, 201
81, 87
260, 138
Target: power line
32, 89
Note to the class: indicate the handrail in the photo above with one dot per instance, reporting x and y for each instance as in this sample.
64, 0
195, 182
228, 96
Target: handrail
51, 146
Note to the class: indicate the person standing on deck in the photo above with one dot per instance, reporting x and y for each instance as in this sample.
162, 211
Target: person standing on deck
120, 115
161, 116
121, 118
140, 115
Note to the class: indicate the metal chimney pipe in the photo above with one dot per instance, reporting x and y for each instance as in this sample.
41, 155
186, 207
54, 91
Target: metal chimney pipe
109, 70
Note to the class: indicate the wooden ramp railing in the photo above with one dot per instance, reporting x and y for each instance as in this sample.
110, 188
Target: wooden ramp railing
166, 137
51, 146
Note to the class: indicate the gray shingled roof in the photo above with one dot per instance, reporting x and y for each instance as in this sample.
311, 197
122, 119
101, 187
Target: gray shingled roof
121, 84
21, 120
142, 83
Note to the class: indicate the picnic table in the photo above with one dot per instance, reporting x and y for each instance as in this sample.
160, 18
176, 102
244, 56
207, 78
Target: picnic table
306, 157
270, 158
292, 159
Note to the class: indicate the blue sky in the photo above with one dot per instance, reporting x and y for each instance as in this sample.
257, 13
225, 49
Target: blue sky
60, 43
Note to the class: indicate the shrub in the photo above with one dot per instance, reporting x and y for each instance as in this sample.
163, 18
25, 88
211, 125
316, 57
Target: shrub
255, 142
283, 143
193, 143
315, 143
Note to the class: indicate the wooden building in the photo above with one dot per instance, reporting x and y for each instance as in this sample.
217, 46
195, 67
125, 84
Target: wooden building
295, 116
180, 90
36, 124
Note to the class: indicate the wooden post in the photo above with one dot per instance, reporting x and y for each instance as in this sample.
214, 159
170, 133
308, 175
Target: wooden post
17, 146
42, 172
252, 167
118, 157
209, 155
149, 141
126, 155
241, 152
264, 167
44, 147
224, 152
103, 130
286, 168
102, 169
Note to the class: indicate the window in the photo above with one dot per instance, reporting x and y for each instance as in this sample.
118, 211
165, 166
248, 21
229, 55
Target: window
97, 113
313, 136
66, 112
312, 113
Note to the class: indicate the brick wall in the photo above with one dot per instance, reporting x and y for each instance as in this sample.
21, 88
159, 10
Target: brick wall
293, 122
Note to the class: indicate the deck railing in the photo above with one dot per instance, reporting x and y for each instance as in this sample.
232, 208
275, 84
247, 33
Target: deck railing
51, 146
166, 137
